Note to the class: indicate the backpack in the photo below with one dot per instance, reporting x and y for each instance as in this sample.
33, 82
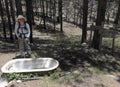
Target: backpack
22, 34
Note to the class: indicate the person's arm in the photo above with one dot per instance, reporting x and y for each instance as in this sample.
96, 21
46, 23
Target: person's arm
28, 27
16, 30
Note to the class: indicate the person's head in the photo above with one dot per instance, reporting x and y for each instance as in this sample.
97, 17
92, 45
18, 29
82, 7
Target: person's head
21, 19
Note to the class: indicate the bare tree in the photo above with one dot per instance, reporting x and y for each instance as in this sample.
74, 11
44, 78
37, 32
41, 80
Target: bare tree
43, 15
100, 19
29, 14
84, 25
12, 11
9, 19
60, 14
118, 14
2, 18
18, 7
54, 14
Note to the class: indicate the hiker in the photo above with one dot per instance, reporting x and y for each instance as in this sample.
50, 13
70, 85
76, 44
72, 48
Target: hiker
22, 31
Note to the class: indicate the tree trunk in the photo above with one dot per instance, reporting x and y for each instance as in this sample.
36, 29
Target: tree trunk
60, 14
12, 11
46, 2
2, 18
84, 25
54, 16
9, 21
81, 16
50, 9
29, 14
18, 7
74, 11
118, 15
100, 18
43, 15
91, 10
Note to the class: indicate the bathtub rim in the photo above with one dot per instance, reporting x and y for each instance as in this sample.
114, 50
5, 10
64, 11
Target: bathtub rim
3, 69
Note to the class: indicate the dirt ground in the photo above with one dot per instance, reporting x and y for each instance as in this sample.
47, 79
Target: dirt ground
94, 81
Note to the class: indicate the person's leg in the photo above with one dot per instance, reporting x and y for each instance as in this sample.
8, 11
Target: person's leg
21, 47
28, 48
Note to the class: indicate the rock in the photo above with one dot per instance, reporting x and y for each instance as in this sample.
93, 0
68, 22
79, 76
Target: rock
76, 72
19, 81
68, 73
84, 44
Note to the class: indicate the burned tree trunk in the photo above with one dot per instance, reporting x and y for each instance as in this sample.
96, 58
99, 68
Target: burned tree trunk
29, 12
54, 15
50, 9
84, 25
9, 20
100, 19
12, 11
118, 15
60, 14
47, 4
19, 7
2, 18
44, 15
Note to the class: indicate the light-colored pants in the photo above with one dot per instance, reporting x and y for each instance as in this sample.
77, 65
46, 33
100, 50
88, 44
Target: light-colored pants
24, 45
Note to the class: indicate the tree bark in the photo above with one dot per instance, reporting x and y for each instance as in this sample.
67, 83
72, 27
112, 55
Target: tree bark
60, 14
84, 25
19, 7
100, 19
9, 21
54, 15
50, 9
12, 11
44, 15
46, 2
29, 14
2, 18
117, 15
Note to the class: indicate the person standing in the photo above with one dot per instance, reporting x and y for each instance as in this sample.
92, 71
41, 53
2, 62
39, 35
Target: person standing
22, 32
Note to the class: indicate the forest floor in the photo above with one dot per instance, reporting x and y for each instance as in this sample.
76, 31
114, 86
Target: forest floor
80, 66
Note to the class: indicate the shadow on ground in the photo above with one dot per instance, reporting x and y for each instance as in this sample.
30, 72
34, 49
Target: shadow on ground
47, 29
7, 45
69, 53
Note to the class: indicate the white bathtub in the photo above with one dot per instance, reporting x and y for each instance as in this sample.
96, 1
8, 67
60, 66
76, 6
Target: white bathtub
30, 65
